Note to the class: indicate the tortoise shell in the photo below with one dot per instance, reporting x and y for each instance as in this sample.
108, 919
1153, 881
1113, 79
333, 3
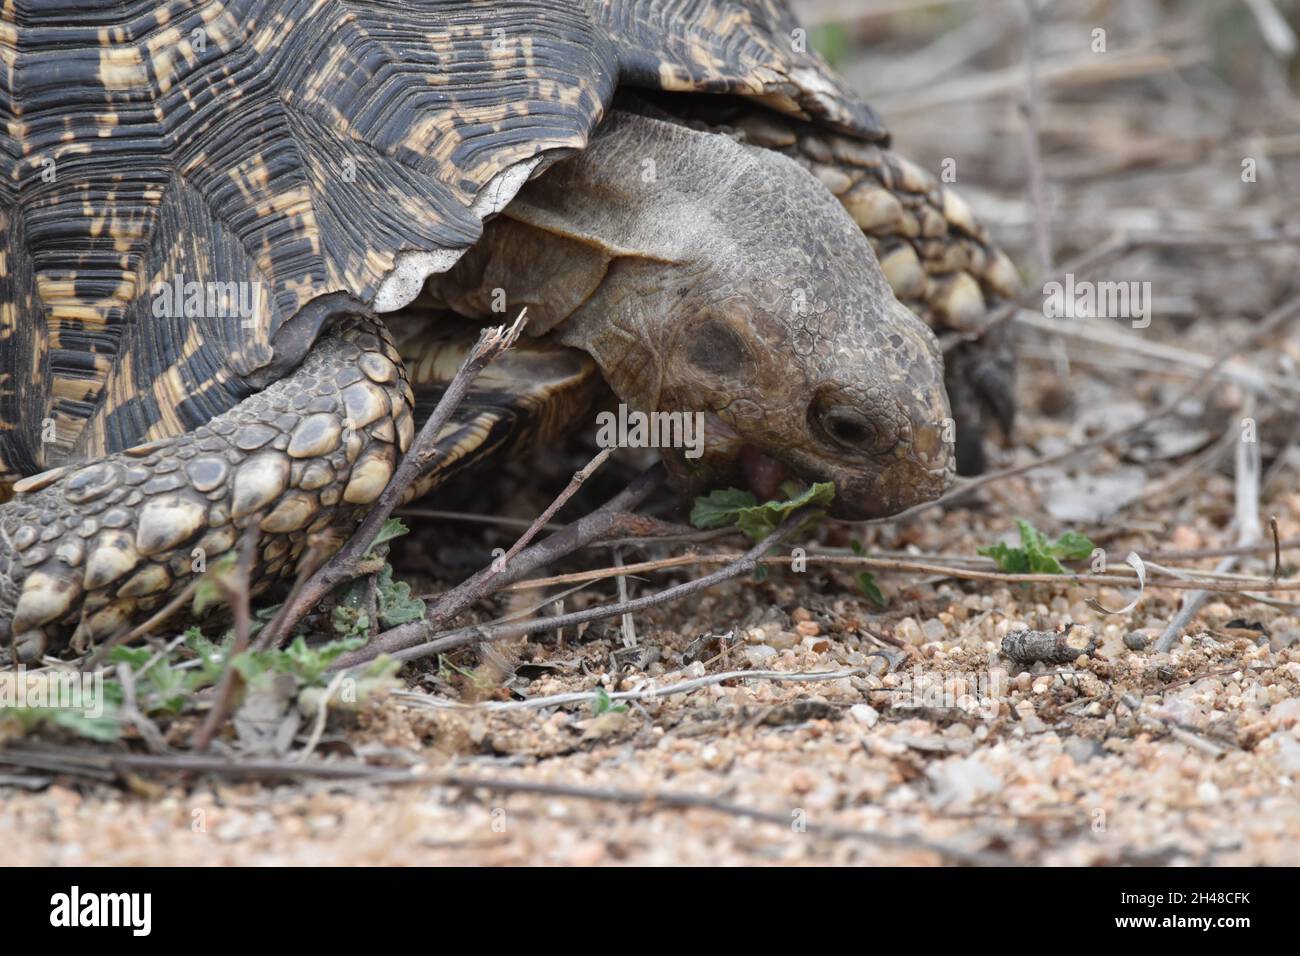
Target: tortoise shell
189, 190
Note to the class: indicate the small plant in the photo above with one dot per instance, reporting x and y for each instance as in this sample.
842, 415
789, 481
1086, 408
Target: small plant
393, 528
732, 506
867, 581
167, 681
481, 679
1036, 554
604, 705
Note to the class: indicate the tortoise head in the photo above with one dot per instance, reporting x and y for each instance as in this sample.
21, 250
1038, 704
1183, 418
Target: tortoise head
783, 337
851, 396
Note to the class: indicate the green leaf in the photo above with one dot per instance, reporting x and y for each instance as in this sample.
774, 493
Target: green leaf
393, 528
603, 705
310, 663
1008, 559
211, 655
1037, 555
216, 583
105, 728
719, 508
136, 657
732, 506
396, 605
349, 621
165, 688
867, 582
1073, 546
760, 521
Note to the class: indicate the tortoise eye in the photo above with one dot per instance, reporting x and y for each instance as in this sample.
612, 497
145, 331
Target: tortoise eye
716, 348
849, 427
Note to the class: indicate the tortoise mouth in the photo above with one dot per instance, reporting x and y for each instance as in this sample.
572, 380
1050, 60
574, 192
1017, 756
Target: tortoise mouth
859, 495
864, 490
763, 474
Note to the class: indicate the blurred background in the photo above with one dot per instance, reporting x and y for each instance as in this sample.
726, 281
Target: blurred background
1146, 110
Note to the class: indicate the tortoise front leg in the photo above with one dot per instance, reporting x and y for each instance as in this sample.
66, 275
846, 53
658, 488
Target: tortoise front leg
86, 550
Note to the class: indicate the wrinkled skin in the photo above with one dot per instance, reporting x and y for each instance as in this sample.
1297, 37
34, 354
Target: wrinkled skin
817, 399
731, 284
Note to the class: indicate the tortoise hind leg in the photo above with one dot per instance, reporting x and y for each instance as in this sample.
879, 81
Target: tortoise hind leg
84, 551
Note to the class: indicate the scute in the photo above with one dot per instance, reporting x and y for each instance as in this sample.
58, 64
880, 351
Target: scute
751, 48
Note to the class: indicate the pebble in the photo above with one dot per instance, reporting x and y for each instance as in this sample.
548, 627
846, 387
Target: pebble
933, 630
864, 714
1135, 640
783, 640
909, 632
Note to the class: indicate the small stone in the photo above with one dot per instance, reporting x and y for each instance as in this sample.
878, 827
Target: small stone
864, 714
909, 632
933, 630
781, 640
760, 654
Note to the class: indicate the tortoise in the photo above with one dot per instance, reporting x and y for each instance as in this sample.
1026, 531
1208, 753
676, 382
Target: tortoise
229, 229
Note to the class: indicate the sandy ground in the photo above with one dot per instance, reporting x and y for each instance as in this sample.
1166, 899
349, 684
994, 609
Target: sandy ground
1042, 765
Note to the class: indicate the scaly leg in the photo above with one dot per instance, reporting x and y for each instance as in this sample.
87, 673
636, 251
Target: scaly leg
86, 550
94, 548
